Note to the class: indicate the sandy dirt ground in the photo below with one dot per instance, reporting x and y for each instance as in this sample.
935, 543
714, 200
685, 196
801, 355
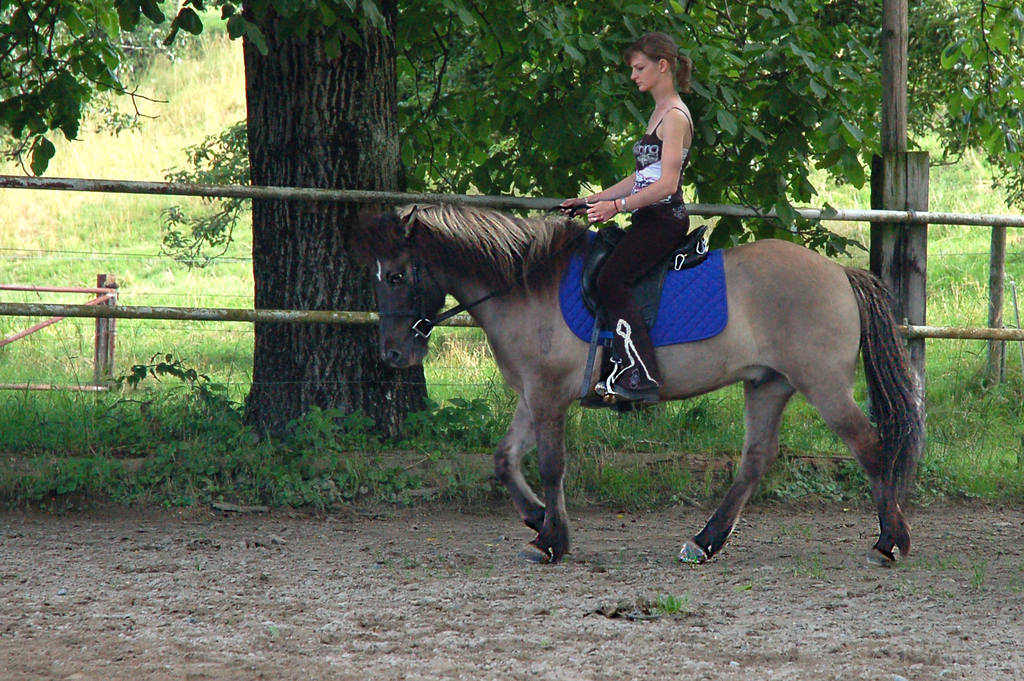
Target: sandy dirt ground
436, 593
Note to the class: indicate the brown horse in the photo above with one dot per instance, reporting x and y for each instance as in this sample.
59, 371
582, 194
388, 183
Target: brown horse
797, 322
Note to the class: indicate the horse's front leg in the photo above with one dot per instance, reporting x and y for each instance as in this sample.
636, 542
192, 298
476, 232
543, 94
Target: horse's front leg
520, 439
552, 539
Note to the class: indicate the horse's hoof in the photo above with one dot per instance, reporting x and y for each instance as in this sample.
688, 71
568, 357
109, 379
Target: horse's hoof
534, 555
879, 559
692, 554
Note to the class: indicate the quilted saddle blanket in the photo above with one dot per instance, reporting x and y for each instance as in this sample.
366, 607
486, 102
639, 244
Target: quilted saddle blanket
693, 303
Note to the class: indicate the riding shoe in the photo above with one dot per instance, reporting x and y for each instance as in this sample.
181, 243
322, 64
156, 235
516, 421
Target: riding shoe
642, 395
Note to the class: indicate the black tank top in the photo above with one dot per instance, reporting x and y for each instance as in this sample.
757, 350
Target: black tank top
647, 152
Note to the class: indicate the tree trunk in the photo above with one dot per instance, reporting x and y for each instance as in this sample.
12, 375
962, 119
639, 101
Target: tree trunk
315, 122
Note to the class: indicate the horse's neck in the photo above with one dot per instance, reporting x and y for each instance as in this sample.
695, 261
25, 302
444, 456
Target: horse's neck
507, 309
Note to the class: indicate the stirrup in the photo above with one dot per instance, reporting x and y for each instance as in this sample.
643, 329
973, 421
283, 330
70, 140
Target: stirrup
612, 392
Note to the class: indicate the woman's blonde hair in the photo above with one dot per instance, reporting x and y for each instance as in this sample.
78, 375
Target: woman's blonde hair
658, 46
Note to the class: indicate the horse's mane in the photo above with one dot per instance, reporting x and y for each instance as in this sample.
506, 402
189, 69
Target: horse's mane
499, 249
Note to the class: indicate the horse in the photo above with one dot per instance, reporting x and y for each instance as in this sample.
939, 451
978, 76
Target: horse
797, 323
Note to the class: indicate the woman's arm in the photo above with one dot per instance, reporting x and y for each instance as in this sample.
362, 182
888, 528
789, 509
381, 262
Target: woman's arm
616, 191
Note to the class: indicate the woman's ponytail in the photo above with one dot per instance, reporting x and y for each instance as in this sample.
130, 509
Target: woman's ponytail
683, 74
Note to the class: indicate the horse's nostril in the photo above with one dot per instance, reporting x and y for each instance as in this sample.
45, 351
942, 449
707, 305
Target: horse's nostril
393, 357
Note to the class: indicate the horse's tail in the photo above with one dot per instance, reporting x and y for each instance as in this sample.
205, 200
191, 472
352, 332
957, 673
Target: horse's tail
897, 402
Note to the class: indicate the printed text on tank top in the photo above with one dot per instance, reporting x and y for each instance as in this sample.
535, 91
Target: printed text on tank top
647, 152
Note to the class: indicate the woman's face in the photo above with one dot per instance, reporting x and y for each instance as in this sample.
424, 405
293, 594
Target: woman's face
645, 73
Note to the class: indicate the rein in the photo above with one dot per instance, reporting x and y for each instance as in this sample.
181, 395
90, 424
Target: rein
424, 326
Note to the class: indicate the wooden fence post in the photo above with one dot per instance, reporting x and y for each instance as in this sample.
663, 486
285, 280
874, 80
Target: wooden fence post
899, 251
996, 287
899, 181
106, 334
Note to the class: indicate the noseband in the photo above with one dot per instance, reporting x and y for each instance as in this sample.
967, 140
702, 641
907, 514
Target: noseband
424, 326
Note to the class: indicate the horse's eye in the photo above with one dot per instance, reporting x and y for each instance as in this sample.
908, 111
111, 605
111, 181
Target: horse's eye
395, 278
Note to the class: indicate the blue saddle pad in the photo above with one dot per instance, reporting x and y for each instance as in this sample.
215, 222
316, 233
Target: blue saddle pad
693, 303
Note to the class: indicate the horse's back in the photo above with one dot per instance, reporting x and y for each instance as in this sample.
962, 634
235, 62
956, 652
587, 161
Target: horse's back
791, 306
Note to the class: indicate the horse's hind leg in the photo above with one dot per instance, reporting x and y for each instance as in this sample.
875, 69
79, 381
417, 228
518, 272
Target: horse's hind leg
520, 439
764, 404
847, 421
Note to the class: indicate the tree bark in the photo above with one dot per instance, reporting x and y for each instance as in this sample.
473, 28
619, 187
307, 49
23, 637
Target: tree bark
316, 122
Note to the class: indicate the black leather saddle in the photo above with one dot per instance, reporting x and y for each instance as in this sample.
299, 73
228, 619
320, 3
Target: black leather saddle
647, 290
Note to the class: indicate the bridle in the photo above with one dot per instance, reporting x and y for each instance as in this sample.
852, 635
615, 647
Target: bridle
424, 326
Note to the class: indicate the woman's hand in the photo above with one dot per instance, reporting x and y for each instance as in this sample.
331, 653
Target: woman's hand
572, 206
603, 211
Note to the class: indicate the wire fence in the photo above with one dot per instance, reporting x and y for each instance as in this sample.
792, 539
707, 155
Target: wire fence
182, 325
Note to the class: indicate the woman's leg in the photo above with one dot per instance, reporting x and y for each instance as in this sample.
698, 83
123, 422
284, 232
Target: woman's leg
653, 235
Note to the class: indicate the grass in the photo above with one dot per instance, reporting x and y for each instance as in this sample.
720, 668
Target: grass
171, 442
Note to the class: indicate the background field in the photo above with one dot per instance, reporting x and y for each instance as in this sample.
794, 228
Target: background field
975, 432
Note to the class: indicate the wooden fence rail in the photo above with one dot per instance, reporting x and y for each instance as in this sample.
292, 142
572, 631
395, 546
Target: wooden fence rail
885, 256
203, 314
506, 202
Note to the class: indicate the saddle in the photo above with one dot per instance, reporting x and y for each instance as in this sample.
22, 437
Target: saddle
646, 292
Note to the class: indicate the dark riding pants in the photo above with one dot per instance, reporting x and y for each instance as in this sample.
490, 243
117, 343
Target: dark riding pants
656, 231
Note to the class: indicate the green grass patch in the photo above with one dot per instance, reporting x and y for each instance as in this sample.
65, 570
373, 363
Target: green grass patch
179, 440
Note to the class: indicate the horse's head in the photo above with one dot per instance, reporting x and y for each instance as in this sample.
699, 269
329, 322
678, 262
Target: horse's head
408, 294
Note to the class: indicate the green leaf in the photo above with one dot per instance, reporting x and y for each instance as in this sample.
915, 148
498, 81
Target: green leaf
856, 135
109, 20
327, 16
998, 39
128, 13
951, 54
374, 16
754, 132
236, 26
74, 22
189, 20
42, 151
152, 11
350, 32
640, 118
253, 33
332, 46
727, 122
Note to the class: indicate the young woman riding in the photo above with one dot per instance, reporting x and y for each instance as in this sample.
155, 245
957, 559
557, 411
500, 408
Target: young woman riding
659, 221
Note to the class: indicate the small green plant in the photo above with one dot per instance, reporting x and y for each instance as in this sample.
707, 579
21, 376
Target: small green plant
467, 424
669, 605
979, 570
816, 567
205, 405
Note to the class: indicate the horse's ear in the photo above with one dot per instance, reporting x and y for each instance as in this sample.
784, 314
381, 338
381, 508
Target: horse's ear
408, 219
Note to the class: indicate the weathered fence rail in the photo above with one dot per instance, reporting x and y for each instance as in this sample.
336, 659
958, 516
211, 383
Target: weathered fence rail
508, 202
876, 217
203, 314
